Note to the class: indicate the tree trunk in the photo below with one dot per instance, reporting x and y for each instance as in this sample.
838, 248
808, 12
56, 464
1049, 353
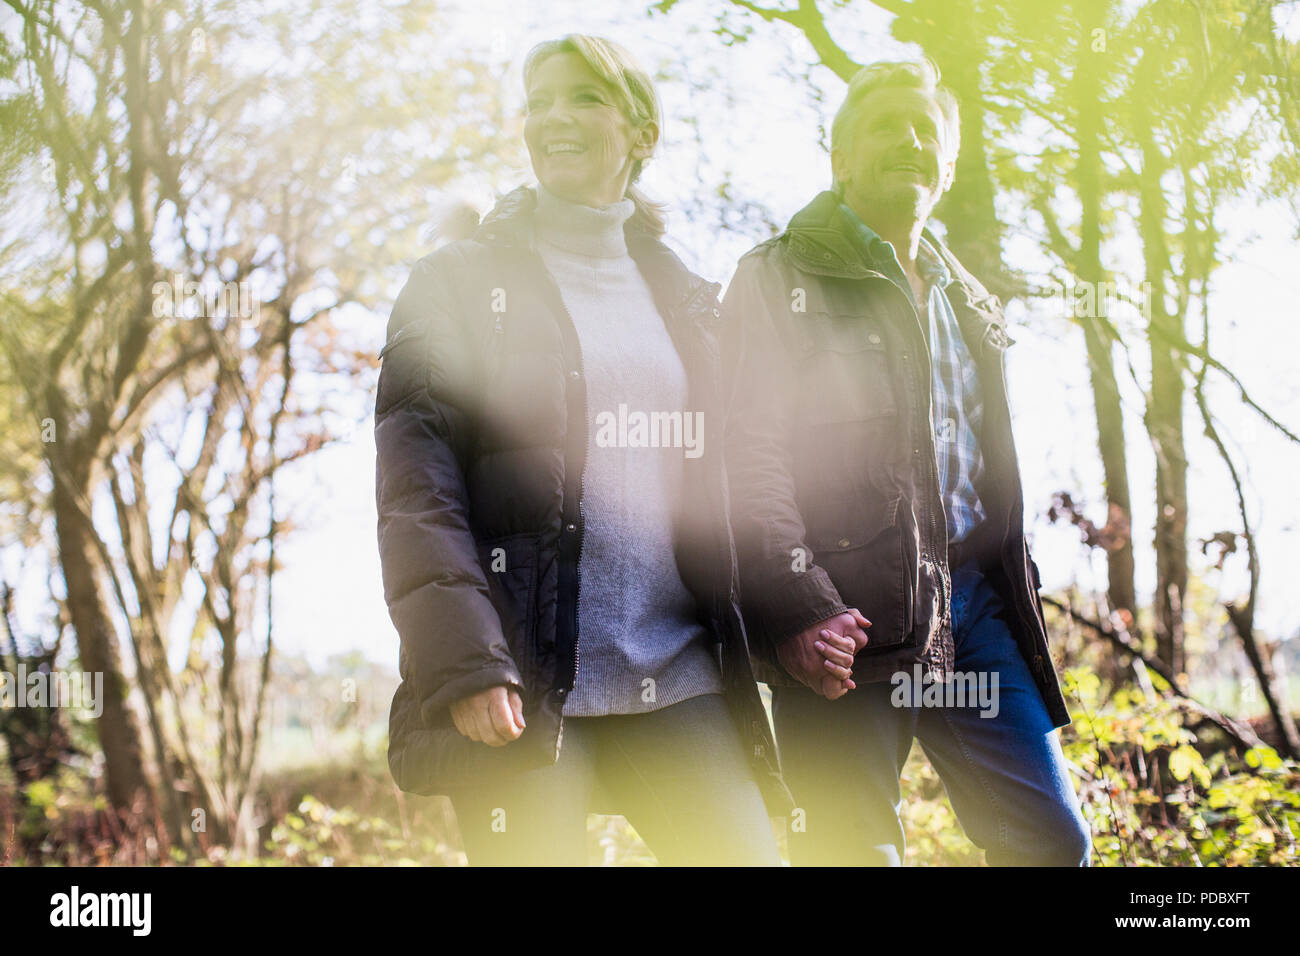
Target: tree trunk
1097, 335
128, 788
967, 209
1164, 418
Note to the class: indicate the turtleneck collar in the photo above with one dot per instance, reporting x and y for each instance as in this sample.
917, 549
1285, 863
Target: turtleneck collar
595, 231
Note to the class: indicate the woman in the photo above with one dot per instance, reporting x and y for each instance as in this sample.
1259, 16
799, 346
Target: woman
552, 521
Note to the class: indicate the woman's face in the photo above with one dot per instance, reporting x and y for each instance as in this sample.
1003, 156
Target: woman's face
582, 146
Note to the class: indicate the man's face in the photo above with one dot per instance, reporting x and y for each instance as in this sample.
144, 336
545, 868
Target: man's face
896, 156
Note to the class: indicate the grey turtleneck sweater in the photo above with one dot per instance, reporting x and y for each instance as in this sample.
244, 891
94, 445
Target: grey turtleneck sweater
639, 645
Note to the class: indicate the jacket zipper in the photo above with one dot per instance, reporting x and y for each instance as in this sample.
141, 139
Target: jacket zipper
563, 311
577, 573
932, 468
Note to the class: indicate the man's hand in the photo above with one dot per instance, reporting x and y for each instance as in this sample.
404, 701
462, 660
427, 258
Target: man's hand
821, 656
494, 716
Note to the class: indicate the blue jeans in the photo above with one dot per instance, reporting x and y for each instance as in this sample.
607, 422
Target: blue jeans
678, 774
1005, 774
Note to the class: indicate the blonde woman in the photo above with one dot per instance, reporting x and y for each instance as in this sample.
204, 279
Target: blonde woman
552, 516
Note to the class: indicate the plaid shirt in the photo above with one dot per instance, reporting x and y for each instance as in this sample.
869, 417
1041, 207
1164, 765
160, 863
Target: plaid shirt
956, 410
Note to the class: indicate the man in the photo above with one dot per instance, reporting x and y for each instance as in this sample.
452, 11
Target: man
878, 509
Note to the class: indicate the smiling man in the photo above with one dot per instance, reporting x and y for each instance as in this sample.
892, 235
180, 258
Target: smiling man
877, 506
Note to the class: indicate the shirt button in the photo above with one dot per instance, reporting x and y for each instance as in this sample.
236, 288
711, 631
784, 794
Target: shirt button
570, 528
575, 375
873, 338
843, 542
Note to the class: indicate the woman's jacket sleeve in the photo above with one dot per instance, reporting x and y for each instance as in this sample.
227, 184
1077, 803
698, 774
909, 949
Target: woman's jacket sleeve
452, 645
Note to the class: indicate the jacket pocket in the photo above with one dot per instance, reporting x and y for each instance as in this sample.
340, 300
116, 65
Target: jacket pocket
510, 564
865, 552
843, 369
403, 368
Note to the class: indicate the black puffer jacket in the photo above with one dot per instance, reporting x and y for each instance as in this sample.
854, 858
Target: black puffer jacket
481, 437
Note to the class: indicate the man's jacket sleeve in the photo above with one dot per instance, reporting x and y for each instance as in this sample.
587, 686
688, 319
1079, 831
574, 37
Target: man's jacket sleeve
452, 645
782, 591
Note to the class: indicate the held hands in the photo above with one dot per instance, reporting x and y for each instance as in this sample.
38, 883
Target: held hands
494, 716
821, 656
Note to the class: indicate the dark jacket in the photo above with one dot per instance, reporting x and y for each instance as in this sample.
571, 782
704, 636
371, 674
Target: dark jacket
481, 438
834, 480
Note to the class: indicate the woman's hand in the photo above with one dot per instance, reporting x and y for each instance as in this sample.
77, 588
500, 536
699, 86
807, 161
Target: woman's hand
494, 716
822, 656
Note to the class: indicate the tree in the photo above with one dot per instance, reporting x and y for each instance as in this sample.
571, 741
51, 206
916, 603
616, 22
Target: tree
180, 322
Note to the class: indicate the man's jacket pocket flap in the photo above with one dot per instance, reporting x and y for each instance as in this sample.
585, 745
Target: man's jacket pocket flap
856, 534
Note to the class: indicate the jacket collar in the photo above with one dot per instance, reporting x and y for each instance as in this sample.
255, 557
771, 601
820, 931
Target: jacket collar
675, 288
820, 238
825, 238
876, 250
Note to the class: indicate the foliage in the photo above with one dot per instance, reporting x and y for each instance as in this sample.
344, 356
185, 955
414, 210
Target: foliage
319, 835
1156, 794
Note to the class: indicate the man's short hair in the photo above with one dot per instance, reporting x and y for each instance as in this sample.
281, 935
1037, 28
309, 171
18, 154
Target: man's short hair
920, 74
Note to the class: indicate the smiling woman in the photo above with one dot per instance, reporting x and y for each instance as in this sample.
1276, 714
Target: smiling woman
592, 124
565, 593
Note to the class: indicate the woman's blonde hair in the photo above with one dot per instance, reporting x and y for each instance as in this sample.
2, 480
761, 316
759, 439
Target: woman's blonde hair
632, 88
